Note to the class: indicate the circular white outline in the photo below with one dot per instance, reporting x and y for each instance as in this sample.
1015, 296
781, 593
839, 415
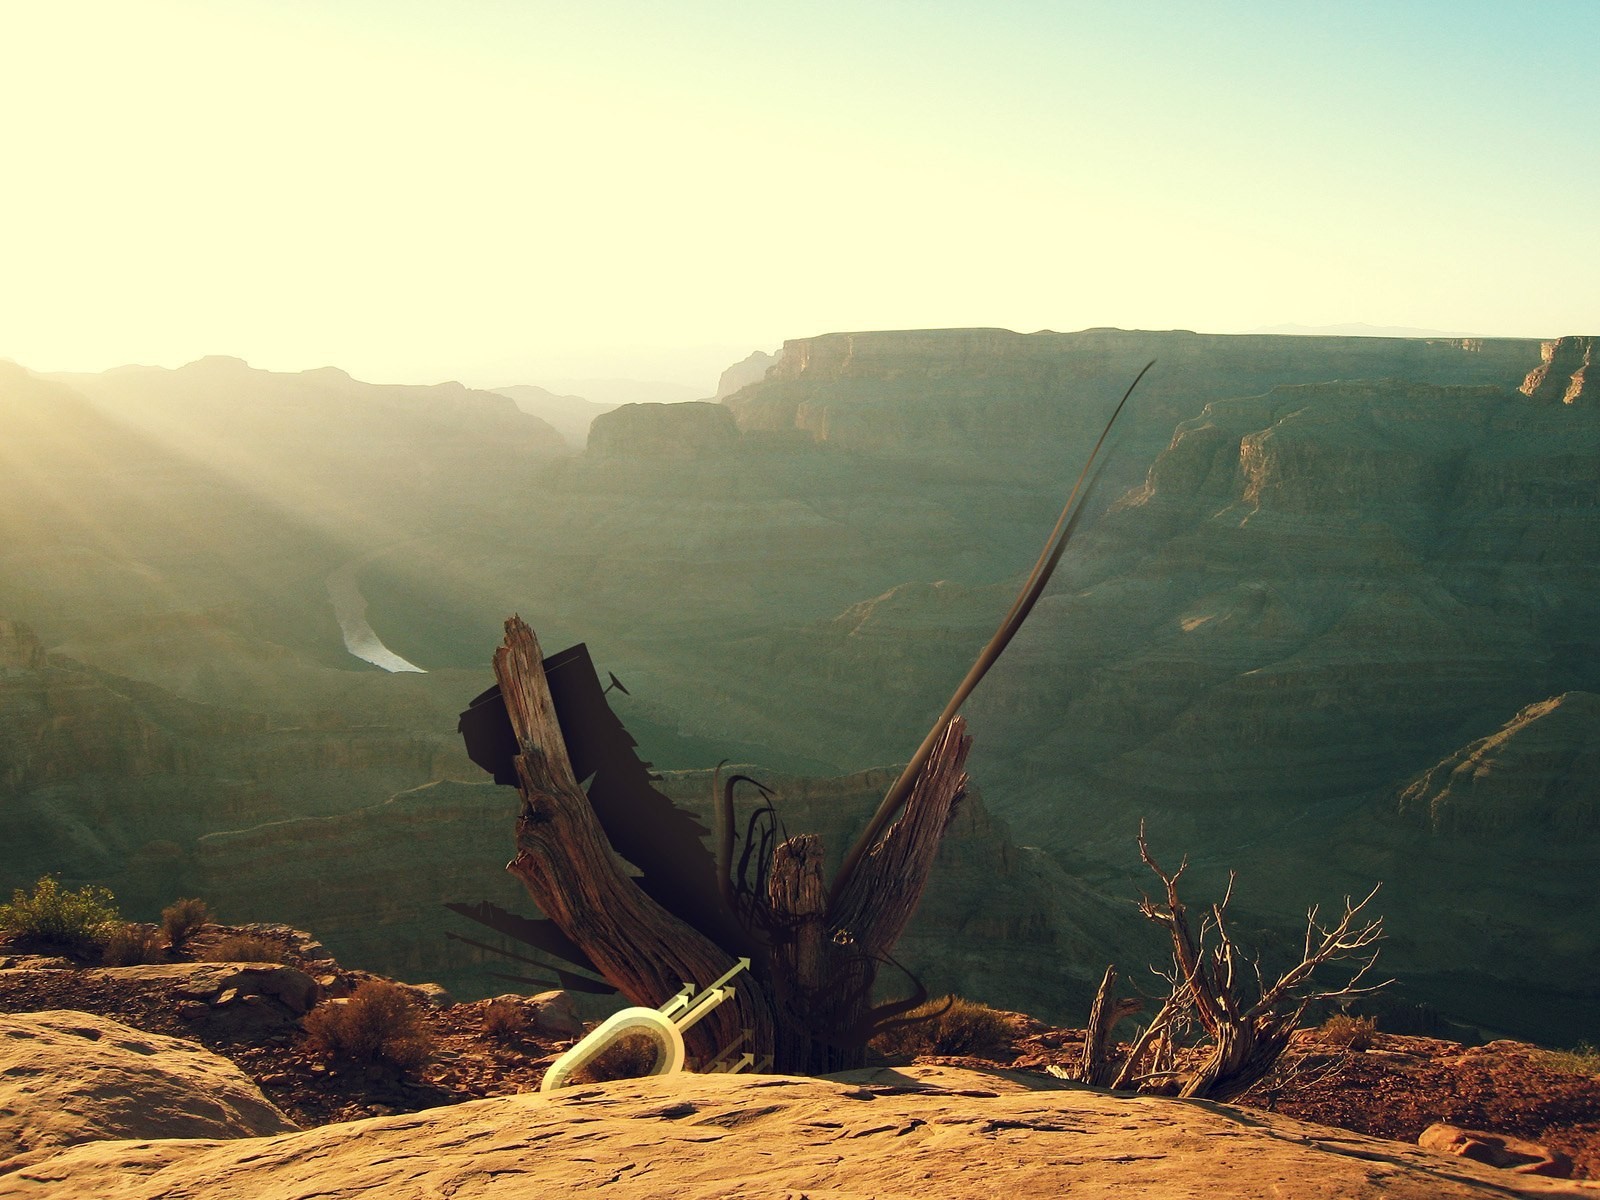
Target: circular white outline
629, 1020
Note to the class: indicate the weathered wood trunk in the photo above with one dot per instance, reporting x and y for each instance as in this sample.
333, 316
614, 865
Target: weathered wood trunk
570, 870
1242, 1056
803, 1008
818, 994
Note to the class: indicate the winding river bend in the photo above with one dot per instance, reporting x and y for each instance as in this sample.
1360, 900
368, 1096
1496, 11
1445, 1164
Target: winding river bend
350, 607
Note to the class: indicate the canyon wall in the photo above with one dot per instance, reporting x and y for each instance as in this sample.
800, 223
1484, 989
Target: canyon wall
112, 779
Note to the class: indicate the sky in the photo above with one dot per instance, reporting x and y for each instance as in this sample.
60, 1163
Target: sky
504, 191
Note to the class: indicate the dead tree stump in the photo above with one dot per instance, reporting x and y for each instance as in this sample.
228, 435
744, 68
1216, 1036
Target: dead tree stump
805, 1004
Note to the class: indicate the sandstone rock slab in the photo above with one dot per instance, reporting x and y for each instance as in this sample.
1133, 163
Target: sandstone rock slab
1497, 1149
69, 1077
720, 1136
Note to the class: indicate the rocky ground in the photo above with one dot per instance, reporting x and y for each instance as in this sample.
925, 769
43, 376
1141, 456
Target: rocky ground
251, 1014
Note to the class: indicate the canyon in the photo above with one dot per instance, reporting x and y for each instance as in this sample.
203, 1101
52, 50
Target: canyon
1329, 618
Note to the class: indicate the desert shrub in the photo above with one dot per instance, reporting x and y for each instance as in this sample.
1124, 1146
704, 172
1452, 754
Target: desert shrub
130, 945
1352, 1033
948, 1026
629, 1057
246, 947
378, 1023
76, 920
1584, 1059
505, 1020
181, 919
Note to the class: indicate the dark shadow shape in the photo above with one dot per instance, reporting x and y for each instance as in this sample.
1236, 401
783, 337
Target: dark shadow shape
667, 844
541, 933
564, 979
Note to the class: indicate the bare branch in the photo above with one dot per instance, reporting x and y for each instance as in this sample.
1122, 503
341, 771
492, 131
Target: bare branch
1245, 1039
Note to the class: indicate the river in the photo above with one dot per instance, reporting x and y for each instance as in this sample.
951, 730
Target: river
350, 606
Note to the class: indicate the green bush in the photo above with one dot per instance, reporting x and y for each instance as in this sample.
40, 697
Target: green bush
377, 1024
130, 945
181, 919
79, 920
948, 1026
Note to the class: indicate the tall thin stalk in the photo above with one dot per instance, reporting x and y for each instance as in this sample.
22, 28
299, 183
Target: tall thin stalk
1009, 624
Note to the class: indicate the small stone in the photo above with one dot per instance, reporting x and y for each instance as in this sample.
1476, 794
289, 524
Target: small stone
191, 1010
434, 995
555, 1014
298, 991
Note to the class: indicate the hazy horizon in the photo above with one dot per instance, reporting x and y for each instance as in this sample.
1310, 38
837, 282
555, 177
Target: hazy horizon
500, 192
671, 385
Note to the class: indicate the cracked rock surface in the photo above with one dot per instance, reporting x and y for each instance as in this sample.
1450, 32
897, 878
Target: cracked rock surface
913, 1131
70, 1077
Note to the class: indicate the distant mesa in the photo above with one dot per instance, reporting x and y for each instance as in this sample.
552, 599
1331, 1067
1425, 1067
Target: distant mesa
219, 363
687, 430
570, 415
1013, 396
340, 375
319, 421
745, 372
1564, 373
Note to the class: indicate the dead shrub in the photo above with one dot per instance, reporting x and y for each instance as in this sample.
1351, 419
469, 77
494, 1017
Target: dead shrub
505, 1020
378, 1023
246, 947
131, 945
181, 919
1347, 1032
948, 1026
631, 1056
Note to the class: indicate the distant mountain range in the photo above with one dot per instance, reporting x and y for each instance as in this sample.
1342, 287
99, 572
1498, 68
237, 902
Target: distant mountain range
624, 391
571, 415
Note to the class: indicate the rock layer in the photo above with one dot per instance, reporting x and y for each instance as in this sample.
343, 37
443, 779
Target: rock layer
1535, 777
1564, 373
